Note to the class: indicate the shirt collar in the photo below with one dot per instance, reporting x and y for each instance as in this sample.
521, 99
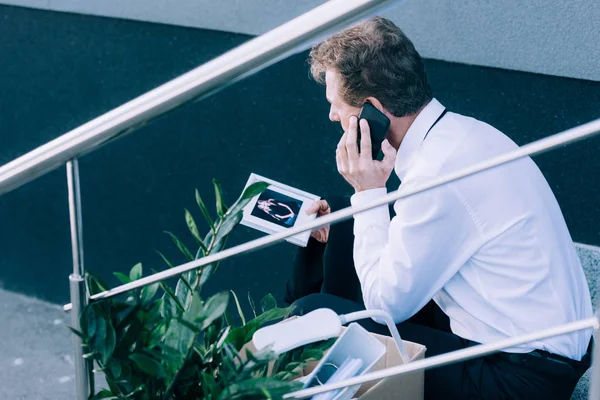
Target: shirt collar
415, 135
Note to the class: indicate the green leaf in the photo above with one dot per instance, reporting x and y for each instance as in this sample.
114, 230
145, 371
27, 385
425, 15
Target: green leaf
221, 207
204, 210
312, 355
228, 319
294, 365
205, 273
113, 387
252, 306
189, 219
95, 284
238, 337
75, 331
229, 222
209, 385
148, 364
122, 277
284, 375
169, 292
242, 335
127, 318
322, 345
100, 333
183, 289
136, 272
239, 308
136, 390
208, 240
115, 368
165, 259
257, 387
131, 335
223, 337
189, 325
157, 334
255, 189
179, 338
274, 314
268, 303
104, 394
181, 247
148, 292
214, 308
87, 321
108, 346
210, 335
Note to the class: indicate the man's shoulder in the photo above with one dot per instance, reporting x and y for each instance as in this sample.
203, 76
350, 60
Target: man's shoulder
464, 123
459, 141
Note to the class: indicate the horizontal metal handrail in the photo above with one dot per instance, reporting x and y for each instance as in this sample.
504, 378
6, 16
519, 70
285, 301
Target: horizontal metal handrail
569, 136
247, 59
451, 357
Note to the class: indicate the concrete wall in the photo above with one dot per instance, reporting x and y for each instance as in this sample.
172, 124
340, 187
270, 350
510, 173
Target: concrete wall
551, 37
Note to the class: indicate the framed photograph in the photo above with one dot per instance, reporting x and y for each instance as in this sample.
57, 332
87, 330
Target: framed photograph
278, 208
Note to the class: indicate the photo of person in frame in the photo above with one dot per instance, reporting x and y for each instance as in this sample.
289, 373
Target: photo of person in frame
277, 208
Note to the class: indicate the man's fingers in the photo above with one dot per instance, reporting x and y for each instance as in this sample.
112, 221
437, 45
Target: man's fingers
341, 159
323, 206
342, 142
313, 208
320, 206
365, 140
321, 235
389, 155
351, 138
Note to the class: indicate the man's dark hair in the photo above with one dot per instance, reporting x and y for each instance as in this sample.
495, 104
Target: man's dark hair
374, 58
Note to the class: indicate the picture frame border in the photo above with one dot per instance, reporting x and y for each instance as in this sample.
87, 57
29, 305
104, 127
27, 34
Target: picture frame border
251, 221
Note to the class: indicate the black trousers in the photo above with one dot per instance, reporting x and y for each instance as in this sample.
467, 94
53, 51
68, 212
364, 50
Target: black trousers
324, 276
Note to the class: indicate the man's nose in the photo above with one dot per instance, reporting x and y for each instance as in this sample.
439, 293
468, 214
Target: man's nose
333, 115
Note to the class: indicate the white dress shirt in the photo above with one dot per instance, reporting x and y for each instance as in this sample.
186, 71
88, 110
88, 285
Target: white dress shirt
492, 249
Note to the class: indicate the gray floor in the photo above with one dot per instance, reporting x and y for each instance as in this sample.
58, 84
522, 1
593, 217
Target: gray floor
35, 349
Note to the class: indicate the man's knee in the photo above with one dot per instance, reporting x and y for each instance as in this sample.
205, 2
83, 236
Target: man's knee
323, 300
309, 303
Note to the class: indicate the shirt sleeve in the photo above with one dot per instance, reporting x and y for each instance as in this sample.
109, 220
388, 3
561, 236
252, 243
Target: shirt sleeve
403, 263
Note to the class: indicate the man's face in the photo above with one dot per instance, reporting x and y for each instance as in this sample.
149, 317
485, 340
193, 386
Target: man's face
339, 111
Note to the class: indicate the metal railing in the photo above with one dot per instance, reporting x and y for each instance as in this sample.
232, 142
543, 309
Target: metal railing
537, 147
205, 80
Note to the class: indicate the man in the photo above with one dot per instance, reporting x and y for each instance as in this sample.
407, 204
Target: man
474, 261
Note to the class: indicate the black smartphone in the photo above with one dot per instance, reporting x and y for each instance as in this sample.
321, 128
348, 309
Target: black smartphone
379, 125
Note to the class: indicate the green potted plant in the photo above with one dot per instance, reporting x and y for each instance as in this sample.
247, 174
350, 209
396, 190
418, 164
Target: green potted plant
165, 343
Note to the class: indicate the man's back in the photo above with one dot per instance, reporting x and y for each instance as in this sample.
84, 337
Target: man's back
521, 273
492, 250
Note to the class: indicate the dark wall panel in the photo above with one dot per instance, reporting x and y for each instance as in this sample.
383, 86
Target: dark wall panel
58, 71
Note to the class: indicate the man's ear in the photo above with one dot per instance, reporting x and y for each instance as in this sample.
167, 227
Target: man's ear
377, 104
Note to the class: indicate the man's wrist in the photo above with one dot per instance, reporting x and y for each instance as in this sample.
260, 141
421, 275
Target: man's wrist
358, 189
374, 216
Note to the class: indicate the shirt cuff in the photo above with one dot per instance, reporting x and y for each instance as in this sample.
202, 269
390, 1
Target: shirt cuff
374, 216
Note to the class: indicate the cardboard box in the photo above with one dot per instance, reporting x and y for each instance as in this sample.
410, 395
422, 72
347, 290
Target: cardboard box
409, 386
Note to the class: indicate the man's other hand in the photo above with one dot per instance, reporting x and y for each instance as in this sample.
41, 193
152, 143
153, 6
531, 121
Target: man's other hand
320, 207
359, 169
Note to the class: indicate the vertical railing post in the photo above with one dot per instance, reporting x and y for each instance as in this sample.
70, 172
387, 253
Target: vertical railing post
79, 296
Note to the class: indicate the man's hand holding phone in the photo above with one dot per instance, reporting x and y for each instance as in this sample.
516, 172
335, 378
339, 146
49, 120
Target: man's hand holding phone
359, 169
